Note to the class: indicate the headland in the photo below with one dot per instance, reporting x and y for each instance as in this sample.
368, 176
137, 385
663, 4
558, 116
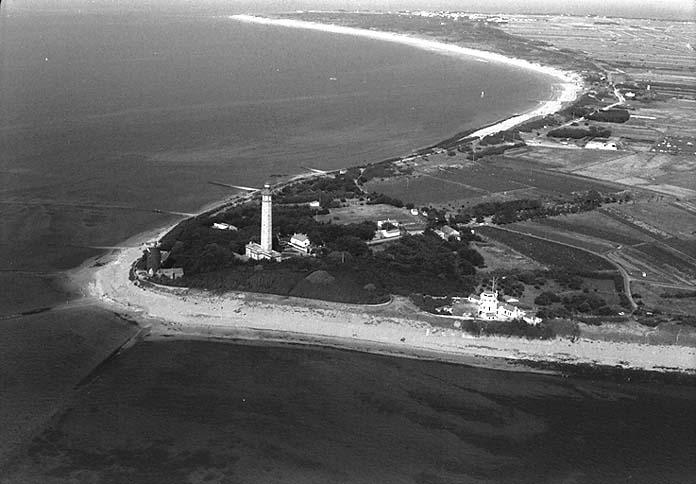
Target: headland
396, 328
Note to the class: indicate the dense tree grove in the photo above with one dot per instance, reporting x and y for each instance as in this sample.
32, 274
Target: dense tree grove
579, 133
610, 116
324, 189
510, 211
353, 273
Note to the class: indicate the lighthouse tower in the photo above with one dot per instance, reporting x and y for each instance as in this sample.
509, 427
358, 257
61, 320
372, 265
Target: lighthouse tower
266, 219
264, 250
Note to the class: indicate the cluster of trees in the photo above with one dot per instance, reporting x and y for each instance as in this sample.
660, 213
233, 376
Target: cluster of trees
510, 211
380, 198
579, 133
383, 169
198, 248
576, 303
325, 189
414, 264
610, 116
430, 304
506, 136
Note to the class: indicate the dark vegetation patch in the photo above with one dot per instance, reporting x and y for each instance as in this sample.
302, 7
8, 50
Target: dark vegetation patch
549, 253
504, 212
350, 271
325, 189
678, 294
610, 116
199, 248
517, 328
579, 133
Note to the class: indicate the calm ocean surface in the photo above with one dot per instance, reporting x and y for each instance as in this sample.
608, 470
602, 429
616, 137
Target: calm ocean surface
104, 119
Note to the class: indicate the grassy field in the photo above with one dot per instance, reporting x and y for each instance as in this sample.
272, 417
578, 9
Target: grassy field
564, 159
596, 225
548, 253
563, 236
665, 217
494, 176
360, 212
668, 260
424, 189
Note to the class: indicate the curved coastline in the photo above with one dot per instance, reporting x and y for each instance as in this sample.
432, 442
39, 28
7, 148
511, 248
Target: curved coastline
393, 331
571, 83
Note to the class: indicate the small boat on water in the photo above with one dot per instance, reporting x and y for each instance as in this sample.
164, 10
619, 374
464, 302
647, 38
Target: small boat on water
483, 93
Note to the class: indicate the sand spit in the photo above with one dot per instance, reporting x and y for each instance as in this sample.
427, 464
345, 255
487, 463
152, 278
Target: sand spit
387, 329
569, 83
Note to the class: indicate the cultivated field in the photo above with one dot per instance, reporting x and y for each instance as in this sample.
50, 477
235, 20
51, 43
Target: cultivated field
548, 253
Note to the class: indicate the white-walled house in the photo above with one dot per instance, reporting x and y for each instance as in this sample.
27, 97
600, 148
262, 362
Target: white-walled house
300, 242
387, 229
224, 226
488, 307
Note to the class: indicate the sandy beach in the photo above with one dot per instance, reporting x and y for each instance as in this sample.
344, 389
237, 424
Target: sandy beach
394, 328
569, 84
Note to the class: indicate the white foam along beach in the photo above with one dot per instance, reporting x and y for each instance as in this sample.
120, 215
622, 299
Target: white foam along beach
569, 83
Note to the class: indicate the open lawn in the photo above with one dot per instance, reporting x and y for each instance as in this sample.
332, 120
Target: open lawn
424, 189
356, 213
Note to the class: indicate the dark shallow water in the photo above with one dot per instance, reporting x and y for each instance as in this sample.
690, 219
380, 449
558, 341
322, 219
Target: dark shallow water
178, 411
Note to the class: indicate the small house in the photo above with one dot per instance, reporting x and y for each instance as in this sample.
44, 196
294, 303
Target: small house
300, 242
387, 229
172, 273
224, 226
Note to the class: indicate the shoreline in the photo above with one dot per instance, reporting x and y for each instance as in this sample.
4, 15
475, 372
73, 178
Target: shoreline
389, 329
570, 83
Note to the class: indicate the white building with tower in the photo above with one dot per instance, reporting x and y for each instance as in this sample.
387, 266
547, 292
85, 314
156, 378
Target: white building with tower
264, 250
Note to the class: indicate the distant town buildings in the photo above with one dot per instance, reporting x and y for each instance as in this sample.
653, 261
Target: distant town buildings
264, 250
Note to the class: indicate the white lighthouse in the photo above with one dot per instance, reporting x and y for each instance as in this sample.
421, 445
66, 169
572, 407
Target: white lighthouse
264, 250
266, 219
